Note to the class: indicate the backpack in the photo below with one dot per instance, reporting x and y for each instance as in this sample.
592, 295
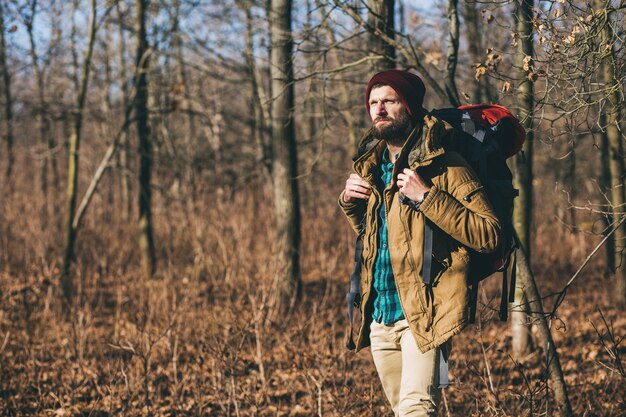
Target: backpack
486, 136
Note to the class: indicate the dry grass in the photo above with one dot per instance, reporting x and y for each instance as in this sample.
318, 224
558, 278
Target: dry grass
195, 340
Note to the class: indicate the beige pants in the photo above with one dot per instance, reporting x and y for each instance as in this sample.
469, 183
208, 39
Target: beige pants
409, 377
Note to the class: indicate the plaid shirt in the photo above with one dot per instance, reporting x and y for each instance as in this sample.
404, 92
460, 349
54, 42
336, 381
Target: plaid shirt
387, 309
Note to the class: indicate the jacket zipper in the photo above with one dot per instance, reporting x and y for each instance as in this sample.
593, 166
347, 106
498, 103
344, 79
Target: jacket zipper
412, 261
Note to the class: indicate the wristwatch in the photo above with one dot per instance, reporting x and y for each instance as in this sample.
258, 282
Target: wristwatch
415, 205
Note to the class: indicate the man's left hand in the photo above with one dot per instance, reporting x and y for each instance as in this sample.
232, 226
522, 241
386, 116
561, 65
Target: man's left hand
412, 185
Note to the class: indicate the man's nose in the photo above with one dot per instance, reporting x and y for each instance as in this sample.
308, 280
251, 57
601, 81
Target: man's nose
380, 108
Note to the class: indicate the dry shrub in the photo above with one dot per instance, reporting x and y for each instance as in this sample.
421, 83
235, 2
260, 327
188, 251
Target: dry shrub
195, 340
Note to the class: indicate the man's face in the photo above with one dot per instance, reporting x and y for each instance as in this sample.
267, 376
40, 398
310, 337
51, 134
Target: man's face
390, 119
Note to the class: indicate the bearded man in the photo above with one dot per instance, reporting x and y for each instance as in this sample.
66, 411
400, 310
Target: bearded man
404, 180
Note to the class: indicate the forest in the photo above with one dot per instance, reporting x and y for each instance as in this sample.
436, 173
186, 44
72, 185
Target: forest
170, 238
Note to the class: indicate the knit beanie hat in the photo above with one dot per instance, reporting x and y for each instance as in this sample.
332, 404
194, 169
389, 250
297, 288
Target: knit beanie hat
409, 87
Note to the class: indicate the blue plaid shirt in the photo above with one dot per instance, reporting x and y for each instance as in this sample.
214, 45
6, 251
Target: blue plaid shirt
387, 309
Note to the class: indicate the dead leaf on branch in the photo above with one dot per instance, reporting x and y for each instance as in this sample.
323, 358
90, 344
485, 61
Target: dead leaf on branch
528, 62
480, 71
434, 57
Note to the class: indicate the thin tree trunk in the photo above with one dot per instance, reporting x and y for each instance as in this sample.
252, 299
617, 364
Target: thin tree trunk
474, 44
182, 72
124, 142
48, 161
535, 305
146, 240
286, 285
572, 180
612, 108
453, 52
606, 189
8, 100
191, 133
381, 17
72, 171
521, 341
409, 53
344, 89
259, 128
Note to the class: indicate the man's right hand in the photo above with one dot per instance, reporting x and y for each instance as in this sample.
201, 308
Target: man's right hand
356, 188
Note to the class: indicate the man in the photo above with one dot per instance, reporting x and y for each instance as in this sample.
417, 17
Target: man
403, 178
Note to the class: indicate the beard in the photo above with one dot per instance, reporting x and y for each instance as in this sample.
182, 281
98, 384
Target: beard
395, 132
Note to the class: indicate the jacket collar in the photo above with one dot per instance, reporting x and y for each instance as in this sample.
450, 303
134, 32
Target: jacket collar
424, 143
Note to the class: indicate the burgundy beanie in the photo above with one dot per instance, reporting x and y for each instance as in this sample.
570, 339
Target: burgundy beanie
409, 87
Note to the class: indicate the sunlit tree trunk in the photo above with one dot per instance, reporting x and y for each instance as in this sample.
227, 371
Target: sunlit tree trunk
286, 285
8, 100
381, 17
72, 171
146, 240
521, 341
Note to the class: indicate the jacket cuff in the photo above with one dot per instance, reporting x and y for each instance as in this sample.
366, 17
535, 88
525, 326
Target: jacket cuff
432, 195
347, 207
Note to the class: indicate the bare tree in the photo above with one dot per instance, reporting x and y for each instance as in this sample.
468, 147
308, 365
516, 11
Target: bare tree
381, 18
74, 154
8, 100
453, 52
43, 122
524, 55
287, 281
345, 93
142, 63
257, 113
610, 115
124, 142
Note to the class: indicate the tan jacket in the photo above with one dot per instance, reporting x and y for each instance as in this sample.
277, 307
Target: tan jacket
459, 208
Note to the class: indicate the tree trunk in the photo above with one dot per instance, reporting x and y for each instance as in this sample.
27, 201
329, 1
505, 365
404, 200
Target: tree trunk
48, 162
475, 48
572, 182
146, 241
259, 128
453, 51
521, 342
605, 180
345, 94
381, 17
286, 285
611, 110
8, 100
124, 145
72, 170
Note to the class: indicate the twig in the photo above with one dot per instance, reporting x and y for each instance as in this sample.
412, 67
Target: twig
563, 292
